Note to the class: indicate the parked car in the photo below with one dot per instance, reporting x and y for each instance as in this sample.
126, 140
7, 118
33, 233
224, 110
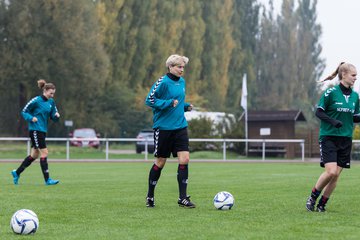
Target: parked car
90, 136
147, 136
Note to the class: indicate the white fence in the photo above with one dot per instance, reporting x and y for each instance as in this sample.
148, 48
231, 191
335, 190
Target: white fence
225, 143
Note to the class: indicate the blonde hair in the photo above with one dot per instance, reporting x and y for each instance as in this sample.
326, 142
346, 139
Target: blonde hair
342, 68
175, 59
42, 84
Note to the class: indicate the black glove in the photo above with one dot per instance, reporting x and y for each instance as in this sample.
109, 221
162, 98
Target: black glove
336, 123
356, 118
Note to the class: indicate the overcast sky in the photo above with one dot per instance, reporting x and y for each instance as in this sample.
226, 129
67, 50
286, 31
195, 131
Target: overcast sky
340, 21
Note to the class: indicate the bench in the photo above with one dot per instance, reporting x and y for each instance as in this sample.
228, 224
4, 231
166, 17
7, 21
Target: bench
272, 150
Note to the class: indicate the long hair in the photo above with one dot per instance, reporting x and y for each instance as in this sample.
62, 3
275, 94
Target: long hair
342, 68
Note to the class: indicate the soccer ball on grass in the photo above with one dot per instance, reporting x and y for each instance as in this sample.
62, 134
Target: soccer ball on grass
224, 200
24, 221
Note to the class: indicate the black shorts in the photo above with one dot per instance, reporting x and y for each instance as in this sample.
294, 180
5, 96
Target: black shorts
335, 149
170, 141
37, 139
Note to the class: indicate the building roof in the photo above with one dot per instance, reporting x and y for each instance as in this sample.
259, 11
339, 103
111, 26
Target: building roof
291, 115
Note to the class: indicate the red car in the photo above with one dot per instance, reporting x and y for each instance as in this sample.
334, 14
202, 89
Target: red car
91, 138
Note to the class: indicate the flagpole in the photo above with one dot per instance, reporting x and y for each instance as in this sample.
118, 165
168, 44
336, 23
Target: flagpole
244, 105
246, 132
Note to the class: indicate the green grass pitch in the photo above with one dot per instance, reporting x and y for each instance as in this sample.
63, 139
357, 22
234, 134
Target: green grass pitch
107, 201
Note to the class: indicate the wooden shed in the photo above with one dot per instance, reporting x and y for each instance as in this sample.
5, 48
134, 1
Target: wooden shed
273, 125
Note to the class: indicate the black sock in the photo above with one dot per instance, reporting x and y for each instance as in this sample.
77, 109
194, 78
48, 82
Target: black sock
315, 193
323, 200
182, 177
44, 168
154, 176
27, 162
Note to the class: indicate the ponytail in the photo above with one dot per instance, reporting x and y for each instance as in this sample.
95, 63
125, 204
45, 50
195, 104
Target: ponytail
42, 84
333, 75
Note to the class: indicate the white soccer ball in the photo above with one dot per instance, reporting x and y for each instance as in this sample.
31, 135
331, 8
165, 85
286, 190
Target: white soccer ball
224, 200
24, 221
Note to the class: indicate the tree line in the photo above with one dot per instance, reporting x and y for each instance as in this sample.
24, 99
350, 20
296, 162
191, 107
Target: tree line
103, 56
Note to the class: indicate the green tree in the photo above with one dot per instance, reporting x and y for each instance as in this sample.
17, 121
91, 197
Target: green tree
9, 88
217, 51
266, 57
310, 63
200, 128
246, 29
104, 56
118, 107
291, 44
191, 45
51, 40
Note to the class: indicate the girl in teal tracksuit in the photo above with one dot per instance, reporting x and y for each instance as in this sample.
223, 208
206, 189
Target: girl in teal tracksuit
37, 113
167, 100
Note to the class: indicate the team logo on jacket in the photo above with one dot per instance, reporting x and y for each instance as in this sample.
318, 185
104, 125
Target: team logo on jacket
327, 92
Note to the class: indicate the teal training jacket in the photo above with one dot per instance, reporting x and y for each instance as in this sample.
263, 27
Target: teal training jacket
160, 99
41, 108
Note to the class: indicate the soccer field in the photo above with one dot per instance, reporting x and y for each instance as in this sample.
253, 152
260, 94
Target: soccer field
107, 201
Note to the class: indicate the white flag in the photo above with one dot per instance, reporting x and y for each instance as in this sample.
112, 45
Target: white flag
244, 94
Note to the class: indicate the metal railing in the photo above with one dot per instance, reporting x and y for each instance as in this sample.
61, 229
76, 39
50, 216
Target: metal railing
224, 142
